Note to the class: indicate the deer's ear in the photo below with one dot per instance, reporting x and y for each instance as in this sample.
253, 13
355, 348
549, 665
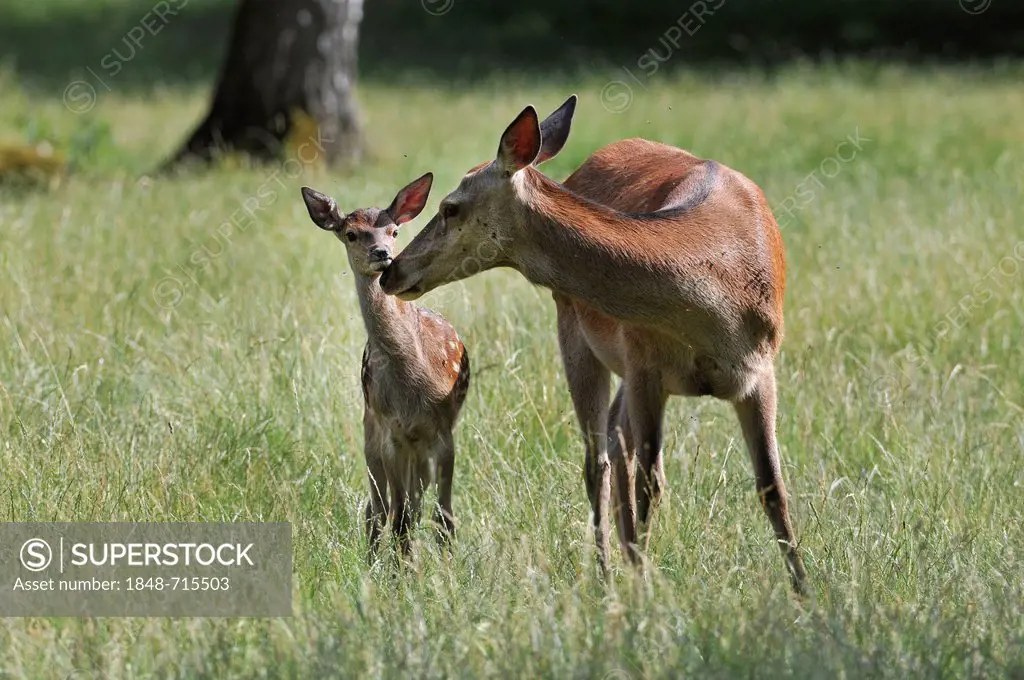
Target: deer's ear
409, 201
554, 131
322, 209
520, 143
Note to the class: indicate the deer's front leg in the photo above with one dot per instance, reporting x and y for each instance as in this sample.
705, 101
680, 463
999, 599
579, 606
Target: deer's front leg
403, 480
444, 520
589, 386
756, 414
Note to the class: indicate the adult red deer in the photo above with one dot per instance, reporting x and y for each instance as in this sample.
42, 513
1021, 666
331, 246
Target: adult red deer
666, 269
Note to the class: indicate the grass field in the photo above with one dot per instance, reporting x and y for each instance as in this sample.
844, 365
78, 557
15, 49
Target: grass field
140, 381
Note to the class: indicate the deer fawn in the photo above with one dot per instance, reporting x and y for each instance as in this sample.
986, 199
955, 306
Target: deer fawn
666, 269
415, 372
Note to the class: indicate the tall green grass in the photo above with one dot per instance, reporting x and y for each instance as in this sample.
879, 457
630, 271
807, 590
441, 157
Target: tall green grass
233, 395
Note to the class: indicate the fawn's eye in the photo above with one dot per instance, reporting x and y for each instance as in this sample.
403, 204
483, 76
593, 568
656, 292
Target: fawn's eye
351, 236
394, 234
449, 211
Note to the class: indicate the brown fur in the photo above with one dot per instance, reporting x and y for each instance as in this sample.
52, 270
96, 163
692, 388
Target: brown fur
613, 176
666, 269
415, 375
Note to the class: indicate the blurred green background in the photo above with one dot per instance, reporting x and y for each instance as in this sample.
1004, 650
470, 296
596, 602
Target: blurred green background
472, 38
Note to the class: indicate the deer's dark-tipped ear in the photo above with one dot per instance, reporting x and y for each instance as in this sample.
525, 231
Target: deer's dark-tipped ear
520, 143
409, 201
554, 131
322, 209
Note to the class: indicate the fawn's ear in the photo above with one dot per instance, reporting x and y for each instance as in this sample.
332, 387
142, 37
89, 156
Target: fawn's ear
322, 209
520, 142
409, 201
555, 130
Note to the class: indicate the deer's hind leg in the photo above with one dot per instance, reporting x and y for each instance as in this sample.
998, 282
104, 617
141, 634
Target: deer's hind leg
645, 402
756, 413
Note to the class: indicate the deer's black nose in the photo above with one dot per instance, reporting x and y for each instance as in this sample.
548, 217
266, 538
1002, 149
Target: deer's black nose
378, 253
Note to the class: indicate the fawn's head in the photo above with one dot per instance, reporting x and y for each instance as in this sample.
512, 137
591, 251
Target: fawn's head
368, 233
472, 230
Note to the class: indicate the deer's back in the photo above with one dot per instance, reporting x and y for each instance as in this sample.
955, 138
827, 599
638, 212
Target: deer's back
727, 233
727, 236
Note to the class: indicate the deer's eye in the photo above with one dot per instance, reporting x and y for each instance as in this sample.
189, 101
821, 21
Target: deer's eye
449, 211
394, 234
351, 236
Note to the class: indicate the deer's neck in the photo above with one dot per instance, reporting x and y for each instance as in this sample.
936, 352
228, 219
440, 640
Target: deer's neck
391, 324
589, 252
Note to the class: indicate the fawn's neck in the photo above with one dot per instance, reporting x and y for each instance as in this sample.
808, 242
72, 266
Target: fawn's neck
391, 324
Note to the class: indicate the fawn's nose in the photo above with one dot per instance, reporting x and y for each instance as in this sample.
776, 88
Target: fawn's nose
377, 253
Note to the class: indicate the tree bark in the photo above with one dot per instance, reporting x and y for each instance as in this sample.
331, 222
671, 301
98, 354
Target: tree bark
285, 58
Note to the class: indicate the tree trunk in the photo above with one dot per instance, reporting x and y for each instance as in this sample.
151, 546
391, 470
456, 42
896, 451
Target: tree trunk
286, 58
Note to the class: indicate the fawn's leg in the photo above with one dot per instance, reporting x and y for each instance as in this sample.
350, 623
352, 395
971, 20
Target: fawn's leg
374, 446
589, 386
421, 472
646, 405
623, 460
757, 418
444, 519
401, 480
